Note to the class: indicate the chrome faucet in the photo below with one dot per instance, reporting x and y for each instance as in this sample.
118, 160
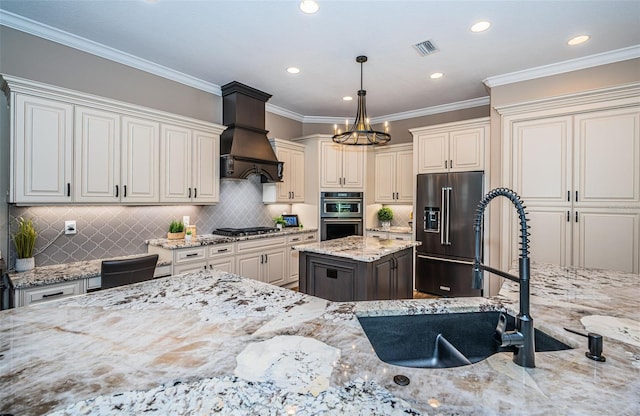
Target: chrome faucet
523, 336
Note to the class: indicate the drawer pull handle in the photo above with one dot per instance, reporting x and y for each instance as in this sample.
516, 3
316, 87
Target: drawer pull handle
295, 239
448, 289
50, 295
222, 250
191, 254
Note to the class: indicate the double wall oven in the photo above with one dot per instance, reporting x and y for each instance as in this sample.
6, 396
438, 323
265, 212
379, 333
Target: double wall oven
340, 214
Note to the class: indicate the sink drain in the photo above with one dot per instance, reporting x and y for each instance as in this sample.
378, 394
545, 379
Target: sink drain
401, 380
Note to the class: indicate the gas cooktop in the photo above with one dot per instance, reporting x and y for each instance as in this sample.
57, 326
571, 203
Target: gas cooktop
237, 232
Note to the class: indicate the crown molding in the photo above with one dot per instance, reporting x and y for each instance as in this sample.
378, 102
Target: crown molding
444, 108
41, 30
617, 55
284, 112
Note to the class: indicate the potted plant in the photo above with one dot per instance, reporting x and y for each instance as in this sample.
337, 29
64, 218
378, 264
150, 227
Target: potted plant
25, 241
385, 215
280, 222
176, 230
187, 236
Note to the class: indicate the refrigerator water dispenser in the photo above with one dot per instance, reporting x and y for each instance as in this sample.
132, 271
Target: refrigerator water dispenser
432, 219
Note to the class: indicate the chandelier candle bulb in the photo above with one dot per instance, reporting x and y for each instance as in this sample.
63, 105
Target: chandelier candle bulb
335, 128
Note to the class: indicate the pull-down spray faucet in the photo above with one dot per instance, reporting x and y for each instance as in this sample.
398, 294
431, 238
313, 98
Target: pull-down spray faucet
523, 336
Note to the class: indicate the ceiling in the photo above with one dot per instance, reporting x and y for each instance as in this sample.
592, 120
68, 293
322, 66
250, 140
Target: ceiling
211, 43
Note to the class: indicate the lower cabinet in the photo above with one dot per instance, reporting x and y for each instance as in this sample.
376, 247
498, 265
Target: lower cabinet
38, 294
342, 280
262, 261
387, 235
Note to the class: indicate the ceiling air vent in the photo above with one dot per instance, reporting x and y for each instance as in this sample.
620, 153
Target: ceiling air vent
426, 48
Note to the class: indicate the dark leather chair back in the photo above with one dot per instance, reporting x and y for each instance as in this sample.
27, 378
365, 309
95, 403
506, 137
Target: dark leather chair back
124, 272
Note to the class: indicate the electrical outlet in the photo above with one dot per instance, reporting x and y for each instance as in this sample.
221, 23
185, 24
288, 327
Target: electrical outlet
185, 220
70, 227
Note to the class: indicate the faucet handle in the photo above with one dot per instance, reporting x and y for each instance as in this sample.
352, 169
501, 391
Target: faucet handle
501, 327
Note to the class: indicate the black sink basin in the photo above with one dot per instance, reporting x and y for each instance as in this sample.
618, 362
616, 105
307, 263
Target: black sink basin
442, 340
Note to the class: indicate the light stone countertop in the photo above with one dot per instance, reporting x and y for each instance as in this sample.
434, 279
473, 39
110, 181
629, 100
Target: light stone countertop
366, 249
58, 273
211, 239
212, 342
395, 230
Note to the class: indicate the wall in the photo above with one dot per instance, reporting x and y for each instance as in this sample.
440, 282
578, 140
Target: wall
282, 127
111, 231
399, 129
38, 59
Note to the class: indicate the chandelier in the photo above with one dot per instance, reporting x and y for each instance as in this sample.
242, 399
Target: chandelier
361, 132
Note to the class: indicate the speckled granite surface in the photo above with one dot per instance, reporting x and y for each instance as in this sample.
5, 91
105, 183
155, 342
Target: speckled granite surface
216, 343
358, 248
398, 230
57, 273
210, 239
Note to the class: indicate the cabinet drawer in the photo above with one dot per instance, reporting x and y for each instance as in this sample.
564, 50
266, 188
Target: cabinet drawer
51, 292
400, 236
185, 255
377, 234
261, 244
162, 271
94, 282
219, 250
302, 238
197, 266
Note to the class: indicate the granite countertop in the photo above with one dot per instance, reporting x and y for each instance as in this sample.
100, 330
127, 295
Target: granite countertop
397, 230
211, 239
367, 249
57, 273
212, 342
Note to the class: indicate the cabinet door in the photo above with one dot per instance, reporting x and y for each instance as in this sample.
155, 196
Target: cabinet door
196, 266
294, 265
97, 156
43, 150
283, 188
140, 169
249, 265
275, 266
352, 166
175, 164
551, 235
607, 238
226, 264
297, 176
607, 157
433, 151
206, 168
542, 160
385, 177
404, 275
382, 287
404, 176
330, 165
466, 150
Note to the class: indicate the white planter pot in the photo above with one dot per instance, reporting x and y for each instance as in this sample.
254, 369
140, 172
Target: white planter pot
22, 265
385, 224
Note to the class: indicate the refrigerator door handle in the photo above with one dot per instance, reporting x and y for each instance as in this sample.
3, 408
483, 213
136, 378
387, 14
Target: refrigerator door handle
444, 219
447, 242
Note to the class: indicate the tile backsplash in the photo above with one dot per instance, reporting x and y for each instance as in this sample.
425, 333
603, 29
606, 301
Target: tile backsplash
111, 231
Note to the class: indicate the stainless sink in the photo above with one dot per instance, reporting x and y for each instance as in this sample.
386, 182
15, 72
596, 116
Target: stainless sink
443, 340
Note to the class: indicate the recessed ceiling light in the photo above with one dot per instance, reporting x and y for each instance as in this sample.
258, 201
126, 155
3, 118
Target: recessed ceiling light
578, 40
309, 6
293, 70
436, 75
480, 26
347, 98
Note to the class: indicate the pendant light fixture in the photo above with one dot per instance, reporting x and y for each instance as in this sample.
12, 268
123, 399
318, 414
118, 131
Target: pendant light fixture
361, 132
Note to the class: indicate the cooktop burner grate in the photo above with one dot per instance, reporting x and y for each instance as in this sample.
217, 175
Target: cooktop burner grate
237, 232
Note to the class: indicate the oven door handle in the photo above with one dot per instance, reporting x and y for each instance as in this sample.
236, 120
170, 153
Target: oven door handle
341, 220
341, 201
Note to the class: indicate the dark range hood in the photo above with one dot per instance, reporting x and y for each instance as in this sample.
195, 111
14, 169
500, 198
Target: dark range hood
244, 147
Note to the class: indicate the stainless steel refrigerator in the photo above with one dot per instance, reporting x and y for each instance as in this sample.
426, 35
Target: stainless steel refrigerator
445, 212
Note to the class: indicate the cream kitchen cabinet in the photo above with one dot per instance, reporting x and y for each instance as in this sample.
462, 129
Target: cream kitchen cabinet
263, 259
578, 170
291, 189
341, 166
394, 175
387, 235
451, 147
222, 257
38, 294
41, 150
189, 165
294, 256
115, 164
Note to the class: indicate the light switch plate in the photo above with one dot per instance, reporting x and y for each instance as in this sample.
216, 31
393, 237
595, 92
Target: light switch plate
185, 220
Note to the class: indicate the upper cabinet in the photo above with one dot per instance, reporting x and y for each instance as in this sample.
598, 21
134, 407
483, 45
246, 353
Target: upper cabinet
42, 150
394, 174
341, 166
70, 147
291, 189
452, 147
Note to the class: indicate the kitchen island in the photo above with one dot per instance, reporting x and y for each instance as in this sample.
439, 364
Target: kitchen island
216, 343
357, 268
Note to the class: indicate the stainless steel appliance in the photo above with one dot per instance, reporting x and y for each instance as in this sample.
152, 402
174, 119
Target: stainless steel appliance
445, 212
340, 214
